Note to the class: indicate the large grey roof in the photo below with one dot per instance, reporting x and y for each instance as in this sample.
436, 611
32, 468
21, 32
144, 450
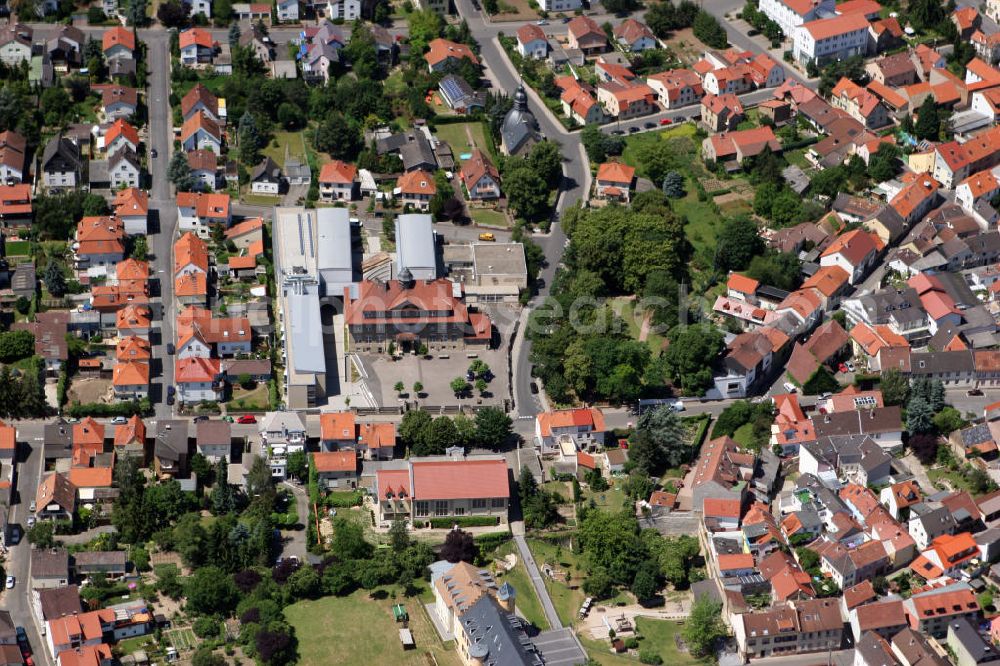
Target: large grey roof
415, 242
333, 231
306, 331
498, 634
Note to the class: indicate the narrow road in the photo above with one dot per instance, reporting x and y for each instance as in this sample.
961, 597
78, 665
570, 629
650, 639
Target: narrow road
18, 563
536, 579
163, 208
294, 540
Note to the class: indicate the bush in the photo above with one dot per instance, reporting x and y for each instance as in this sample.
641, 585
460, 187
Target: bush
489, 542
463, 521
100, 409
344, 500
206, 627
649, 656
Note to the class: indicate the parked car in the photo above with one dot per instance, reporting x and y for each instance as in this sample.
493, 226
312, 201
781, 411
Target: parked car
541, 22
201, 418
10, 582
633, 129
170, 399
534, 388
22, 635
649, 125
170, 349
790, 387
972, 392
665, 121
171, 389
678, 406
30, 522
119, 420
228, 419
247, 418
31, 507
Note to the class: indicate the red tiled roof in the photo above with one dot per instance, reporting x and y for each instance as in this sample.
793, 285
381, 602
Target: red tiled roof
463, 479
336, 461
590, 417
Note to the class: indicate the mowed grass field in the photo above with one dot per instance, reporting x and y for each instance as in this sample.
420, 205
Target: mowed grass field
357, 629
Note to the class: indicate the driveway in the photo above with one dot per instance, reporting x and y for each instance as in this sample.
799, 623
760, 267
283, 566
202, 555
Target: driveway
294, 541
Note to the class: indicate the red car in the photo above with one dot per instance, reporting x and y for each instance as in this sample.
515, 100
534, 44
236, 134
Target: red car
842, 367
665, 121
247, 418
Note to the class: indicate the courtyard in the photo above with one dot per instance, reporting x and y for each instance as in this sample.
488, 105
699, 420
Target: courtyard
435, 374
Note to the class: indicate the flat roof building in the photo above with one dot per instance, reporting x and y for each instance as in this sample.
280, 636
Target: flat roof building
334, 259
296, 267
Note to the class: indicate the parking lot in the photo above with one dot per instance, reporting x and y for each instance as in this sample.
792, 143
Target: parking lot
436, 375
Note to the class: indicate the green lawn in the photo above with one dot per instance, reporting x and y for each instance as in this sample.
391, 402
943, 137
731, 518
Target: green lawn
488, 217
359, 630
744, 434
633, 320
456, 136
567, 598
275, 149
656, 635
526, 599
797, 157
612, 500
17, 248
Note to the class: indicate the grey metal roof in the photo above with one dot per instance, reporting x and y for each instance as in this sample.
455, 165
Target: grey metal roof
333, 232
497, 638
306, 333
415, 242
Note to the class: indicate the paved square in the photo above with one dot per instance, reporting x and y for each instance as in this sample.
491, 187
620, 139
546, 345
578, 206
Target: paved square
560, 648
436, 375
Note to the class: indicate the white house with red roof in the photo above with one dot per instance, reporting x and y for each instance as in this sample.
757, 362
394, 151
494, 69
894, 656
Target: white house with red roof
420, 489
854, 252
977, 187
336, 469
198, 379
634, 36
338, 181
827, 39
614, 182
790, 14
531, 42
676, 88
583, 425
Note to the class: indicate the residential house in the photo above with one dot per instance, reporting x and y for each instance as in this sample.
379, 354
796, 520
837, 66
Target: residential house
112, 564
954, 161
197, 47
15, 44
99, 241
118, 42
204, 165
373, 441
214, 440
480, 178
931, 609
444, 53
133, 320
459, 95
62, 165
860, 103
200, 132
12, 158
721, 113
676, 88
583, 426
416, 188
119, 101
198, 379
826, 39
789, 14
721, 472
586, 35
614, 182
854, 252
626, 101
130, 437
281, 433
946, 555
55, 498
201, 100
739, 145
634, 36
336, 470
749, 360
124, 170
130, 380
531, 42
813, 625
198, 212
49, 568
267, 178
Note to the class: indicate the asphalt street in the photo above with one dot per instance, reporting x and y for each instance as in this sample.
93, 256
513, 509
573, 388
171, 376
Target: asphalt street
163, 208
